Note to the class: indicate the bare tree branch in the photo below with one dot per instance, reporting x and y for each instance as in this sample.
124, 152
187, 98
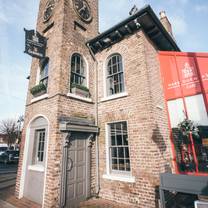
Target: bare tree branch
9, 128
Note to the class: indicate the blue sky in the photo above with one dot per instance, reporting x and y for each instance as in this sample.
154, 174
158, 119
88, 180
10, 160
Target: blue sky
188, 18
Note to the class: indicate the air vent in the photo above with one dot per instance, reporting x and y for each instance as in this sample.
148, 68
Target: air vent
201, 204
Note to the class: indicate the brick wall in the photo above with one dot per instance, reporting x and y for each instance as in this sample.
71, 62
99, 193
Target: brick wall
144, 110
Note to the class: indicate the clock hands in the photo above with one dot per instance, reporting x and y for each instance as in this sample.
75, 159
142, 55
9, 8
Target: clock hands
83, 10
48, 10
84, 7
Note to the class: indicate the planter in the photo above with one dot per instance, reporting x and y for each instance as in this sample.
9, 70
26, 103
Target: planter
80, 92
42, 92
38, 90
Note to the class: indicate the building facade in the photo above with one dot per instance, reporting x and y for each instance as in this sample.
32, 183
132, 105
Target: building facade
96, 123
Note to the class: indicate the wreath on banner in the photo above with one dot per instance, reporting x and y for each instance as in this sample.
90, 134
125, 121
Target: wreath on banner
186, 127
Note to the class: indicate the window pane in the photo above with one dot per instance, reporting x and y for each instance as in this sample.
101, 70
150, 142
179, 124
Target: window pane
113, 140
125, 139
114, 164
114, 61
119, 59
120, 152
113, 129
121, 164
126, 152
118, 127
82, 68
121, 82
119, 139
115, 69
114, 152
73, 64
111, 86
109, 70
120, 67
128, 165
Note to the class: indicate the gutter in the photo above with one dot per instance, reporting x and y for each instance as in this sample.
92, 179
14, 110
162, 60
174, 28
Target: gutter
96, 121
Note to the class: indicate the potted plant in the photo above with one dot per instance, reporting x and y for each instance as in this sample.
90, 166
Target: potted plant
38, 90
80, 90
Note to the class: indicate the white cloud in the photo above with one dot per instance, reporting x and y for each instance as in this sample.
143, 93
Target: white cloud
18, 12
201, 8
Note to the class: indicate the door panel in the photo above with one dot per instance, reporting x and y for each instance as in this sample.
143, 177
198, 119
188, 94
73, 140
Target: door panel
77, 170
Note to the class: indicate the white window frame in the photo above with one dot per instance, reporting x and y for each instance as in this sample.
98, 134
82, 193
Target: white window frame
125, 176
86, 69
105, 81
36, 143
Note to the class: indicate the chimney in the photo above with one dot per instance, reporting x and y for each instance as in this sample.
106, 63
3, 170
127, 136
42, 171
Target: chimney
165, 22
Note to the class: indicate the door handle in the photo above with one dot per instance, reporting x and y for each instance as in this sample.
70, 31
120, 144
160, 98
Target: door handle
71, 164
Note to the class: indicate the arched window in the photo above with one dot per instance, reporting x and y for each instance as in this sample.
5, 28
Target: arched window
115, 77
44, 65
78, 70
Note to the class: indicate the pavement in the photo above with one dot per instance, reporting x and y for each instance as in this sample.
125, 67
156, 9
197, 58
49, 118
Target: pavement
8, 173
4, 204
8, 200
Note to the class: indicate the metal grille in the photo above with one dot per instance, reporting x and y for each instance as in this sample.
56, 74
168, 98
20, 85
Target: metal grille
115, 80
119, 149
77, 70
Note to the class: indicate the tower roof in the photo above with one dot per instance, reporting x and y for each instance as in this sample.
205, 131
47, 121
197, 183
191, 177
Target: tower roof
144, 19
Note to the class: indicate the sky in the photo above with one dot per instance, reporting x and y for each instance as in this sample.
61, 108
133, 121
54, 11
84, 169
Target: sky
188, 19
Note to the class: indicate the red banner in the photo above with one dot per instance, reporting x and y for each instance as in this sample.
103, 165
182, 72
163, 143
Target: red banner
184, 74
203, 66
170, 77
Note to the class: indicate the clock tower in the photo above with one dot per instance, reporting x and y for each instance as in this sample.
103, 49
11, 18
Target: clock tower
61, 89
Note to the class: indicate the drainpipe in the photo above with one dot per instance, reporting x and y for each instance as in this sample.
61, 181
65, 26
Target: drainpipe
96, 121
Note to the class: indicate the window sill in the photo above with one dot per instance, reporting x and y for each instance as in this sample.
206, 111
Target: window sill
41, 97
88, 100
38, 168
117, 177
116, 96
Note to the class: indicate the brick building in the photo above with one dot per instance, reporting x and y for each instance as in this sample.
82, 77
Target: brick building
97, 123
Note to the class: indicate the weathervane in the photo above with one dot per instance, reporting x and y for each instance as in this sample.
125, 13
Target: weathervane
134, 10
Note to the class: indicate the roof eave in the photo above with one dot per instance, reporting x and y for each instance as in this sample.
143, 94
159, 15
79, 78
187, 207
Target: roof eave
145, 10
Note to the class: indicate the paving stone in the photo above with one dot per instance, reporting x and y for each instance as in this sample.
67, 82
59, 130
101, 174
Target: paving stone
4, 204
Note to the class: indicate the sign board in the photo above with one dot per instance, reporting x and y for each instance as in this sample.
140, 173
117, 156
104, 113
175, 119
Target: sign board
35, 44
184, 74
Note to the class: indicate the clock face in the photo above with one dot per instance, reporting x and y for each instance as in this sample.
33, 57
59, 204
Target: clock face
83, 10
48, 10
